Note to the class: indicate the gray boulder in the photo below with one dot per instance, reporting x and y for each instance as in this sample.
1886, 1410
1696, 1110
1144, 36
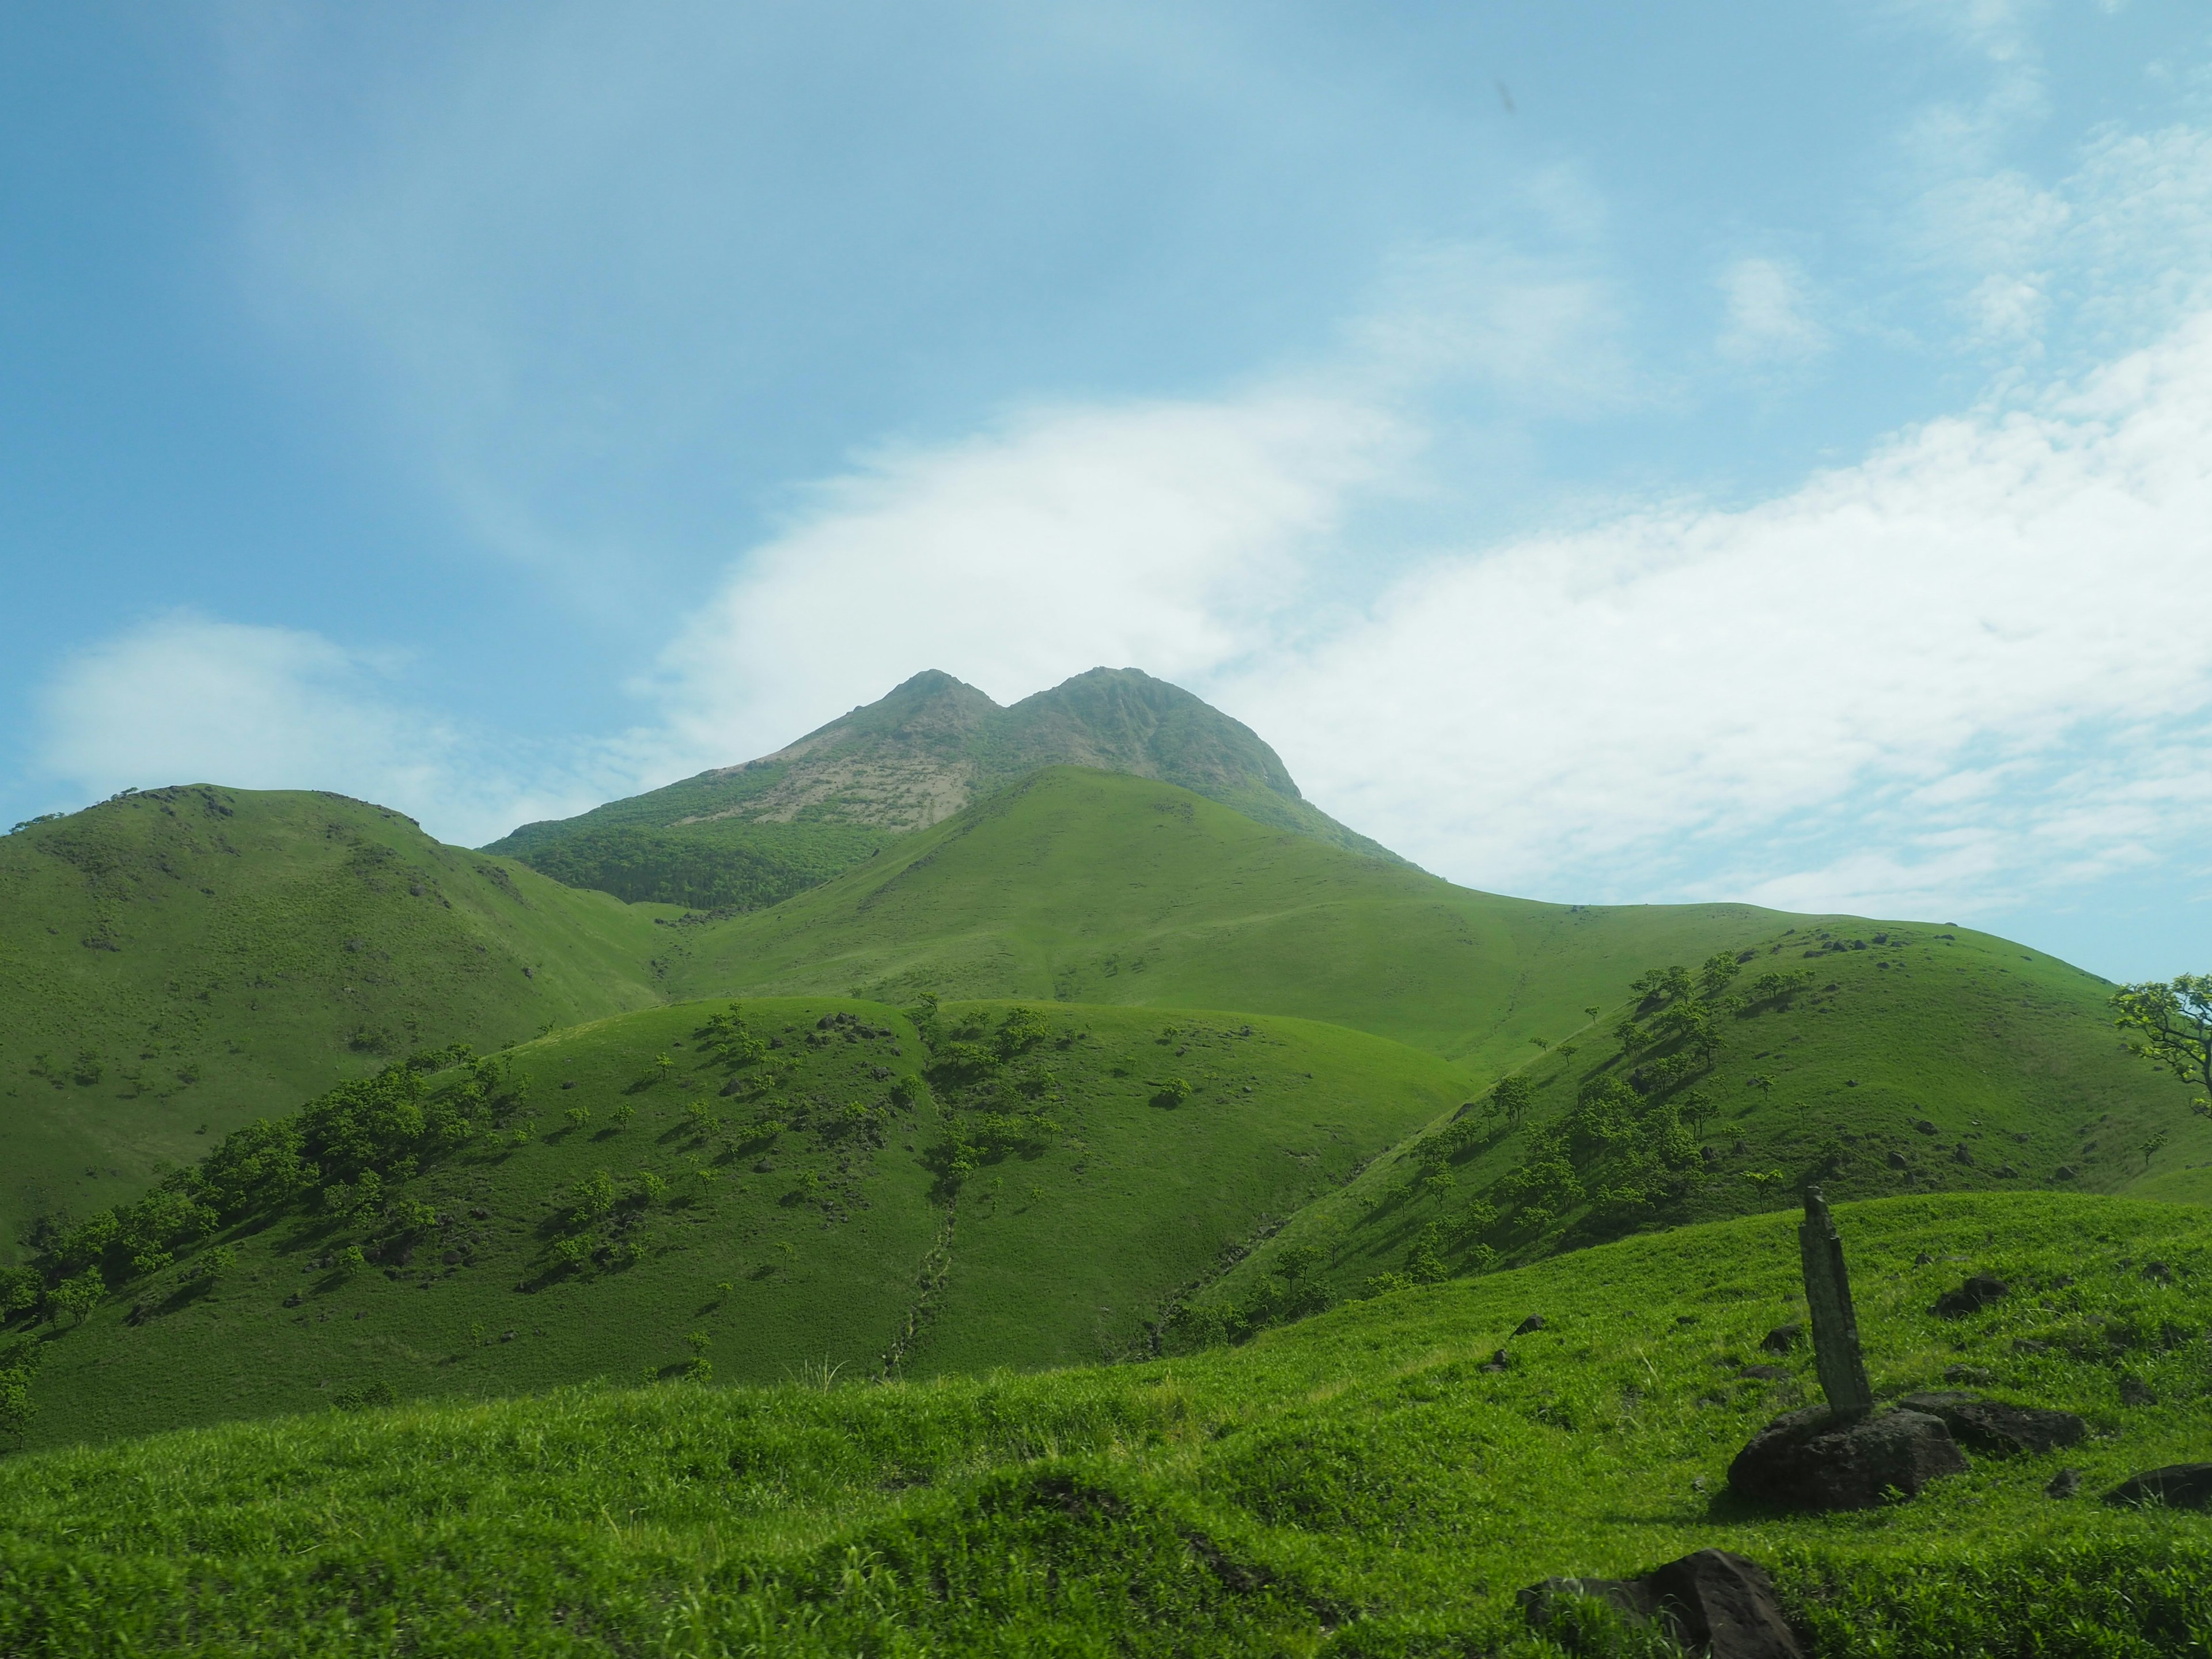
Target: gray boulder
1816, 1459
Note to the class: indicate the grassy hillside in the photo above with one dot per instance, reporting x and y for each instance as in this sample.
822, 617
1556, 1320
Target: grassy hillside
624, 1198
744, 837
1912, 1059
175, 963
1359, 1485
1090, 887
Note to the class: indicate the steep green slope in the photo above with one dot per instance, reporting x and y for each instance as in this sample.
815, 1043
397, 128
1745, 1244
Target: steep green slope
1912, 1059
1361, 1485
778, 1197
1092, 887
744, 837
179, 961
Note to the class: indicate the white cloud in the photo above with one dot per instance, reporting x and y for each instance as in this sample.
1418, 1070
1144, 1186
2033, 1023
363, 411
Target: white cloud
1714, 700
1765, 321
186, 698
1173, 536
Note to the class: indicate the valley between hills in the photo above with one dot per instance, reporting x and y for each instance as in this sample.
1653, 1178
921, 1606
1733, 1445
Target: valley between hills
1023, 1180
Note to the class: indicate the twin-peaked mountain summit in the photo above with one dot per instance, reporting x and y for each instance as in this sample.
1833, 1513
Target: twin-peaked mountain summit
740, 837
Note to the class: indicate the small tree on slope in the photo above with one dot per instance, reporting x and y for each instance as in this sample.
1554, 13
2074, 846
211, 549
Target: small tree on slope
2171, 1024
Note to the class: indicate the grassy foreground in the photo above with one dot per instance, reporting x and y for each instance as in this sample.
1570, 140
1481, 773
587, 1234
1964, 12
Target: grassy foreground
1356, 1485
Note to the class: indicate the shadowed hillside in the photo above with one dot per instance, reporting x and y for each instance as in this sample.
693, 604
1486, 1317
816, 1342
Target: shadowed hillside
787, 1187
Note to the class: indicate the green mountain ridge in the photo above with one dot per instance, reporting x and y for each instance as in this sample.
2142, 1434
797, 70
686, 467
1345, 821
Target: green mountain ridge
182, 960
744, 837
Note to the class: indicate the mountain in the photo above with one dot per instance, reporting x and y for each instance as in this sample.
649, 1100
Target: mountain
744, 837
175, 963
1368, 1483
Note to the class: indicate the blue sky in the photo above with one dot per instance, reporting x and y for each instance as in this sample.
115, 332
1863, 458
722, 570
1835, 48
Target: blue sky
1615, 453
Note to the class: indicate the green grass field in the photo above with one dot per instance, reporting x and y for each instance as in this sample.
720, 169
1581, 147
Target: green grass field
175, 963
1356, 1485
807, 1215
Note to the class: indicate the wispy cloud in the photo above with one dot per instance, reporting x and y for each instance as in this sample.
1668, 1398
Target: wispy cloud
1767, 321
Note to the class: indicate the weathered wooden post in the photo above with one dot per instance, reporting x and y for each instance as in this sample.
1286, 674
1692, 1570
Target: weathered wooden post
1835, 1326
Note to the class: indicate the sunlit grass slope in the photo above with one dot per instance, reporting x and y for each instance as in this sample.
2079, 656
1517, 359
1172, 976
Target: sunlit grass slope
1914, 1059
1357, 1485
1094, 887
185, 959
769, 1210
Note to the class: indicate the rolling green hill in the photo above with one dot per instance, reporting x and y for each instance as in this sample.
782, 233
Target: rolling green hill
1364, 1483
1913, 1059
790, 1195
1093, 887
177, 962
744, 837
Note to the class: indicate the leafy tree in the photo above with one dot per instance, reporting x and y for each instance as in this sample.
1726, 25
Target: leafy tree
18, 1365
1717, 971
1294, 1261
1172, 1092
595, 1197
2172, 1024
1511, 1097
19, 1290
76, 1297
1424, 1261
1022, 1030
1663, 984
2151, 1147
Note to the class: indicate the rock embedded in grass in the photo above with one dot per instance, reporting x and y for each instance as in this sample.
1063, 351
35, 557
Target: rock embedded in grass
1979, 1291
1816, 1460
2175, 1486
1783, 1338
1990, 1426
1711, 1602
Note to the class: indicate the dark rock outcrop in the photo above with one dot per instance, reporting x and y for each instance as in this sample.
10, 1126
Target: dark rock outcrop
1975, 1294
1816, 1459
1712, 1602
1990, 1426
2175, 1486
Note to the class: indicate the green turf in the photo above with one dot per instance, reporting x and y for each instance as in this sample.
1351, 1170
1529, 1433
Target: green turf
1357, 1485
1908, 1046
843, 1239
179, 961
